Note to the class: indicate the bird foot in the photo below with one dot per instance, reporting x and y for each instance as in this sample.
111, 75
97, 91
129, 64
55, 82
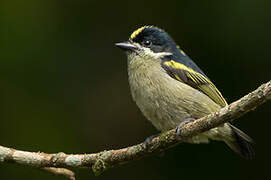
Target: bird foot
179, 127
148, 140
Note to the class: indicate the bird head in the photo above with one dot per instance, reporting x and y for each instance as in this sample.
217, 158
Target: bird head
149, 41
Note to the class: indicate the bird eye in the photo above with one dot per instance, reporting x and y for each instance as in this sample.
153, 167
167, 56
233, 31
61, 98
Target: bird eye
147, 43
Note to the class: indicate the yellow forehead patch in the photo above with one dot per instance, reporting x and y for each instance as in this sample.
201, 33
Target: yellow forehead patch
139, 30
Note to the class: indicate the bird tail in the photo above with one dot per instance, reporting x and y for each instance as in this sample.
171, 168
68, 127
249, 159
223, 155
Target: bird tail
242, 143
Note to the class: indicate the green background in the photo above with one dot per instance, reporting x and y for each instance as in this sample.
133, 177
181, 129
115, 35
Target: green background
64, 88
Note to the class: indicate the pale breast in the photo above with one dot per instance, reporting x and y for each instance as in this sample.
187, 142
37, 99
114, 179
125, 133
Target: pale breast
165, 101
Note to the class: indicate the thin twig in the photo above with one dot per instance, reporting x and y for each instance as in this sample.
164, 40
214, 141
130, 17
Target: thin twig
60, 171
101, 161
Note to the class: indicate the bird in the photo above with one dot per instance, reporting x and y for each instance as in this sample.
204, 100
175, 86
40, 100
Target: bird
171, 90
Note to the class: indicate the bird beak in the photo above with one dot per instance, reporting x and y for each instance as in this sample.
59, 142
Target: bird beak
126, 46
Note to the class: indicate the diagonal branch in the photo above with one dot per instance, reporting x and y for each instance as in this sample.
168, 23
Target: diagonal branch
101, 161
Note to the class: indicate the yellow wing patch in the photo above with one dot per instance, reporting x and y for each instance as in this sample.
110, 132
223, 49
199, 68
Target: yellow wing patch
196, 80
139, 30
177, 65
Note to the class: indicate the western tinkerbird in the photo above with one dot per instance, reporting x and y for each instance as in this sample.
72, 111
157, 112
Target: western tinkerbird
171, 90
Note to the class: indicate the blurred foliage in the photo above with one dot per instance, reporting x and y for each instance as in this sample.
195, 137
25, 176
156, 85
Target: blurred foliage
64, 84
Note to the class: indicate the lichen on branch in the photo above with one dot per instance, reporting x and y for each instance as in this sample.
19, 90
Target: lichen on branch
99, 162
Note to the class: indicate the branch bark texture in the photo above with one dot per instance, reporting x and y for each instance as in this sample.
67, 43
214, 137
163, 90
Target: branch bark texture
103, 160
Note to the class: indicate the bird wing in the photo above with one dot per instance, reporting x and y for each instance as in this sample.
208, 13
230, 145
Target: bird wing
195, 79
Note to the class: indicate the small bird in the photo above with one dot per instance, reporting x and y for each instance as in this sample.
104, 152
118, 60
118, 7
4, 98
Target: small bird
171, 90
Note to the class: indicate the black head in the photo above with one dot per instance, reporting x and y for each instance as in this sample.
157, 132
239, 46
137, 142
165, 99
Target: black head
154, 38
160, 43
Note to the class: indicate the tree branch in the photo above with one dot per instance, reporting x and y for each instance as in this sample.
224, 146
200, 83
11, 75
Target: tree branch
101, 161
60, 171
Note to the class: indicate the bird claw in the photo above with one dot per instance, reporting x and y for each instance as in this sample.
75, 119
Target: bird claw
148, 140
179, 127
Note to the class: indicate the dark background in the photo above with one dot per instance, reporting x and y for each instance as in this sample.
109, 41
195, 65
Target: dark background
64, 88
